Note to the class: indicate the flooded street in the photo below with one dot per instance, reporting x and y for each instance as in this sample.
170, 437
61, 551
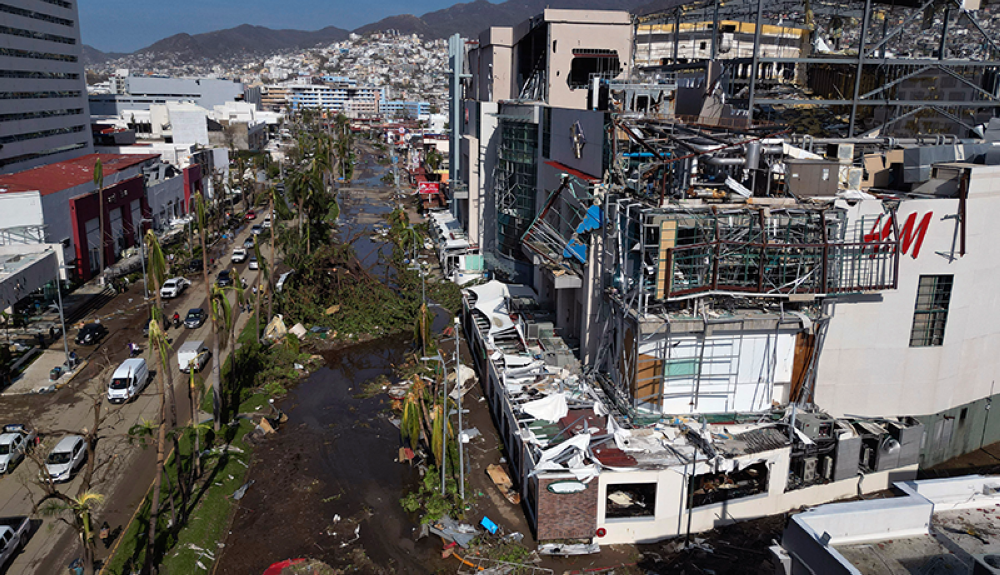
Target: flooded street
328, 486
329, 481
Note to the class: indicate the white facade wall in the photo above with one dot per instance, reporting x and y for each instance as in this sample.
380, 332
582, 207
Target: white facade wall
672, 518
867, 366
188, 123
166, 200
47, 90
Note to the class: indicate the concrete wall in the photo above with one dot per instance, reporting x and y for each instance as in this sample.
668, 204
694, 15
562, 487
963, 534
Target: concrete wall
166, 201
586, 29
491, 65
188, 124
672, 517
867, 366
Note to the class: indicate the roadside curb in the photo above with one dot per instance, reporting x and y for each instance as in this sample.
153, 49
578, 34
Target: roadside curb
76, 372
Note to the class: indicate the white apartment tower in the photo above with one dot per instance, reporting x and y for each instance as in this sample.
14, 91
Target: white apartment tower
44, 116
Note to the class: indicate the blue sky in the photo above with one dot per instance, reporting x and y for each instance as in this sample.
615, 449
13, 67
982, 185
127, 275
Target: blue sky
127, 25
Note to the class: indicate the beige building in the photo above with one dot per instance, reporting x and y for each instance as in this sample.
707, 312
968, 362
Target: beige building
552, 58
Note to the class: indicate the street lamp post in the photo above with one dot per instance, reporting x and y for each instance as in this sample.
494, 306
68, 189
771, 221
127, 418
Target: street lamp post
62, 316
142, 256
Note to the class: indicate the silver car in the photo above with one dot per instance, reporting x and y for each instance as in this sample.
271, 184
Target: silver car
65, 458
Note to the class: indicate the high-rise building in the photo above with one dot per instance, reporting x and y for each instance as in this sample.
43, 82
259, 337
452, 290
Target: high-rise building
44, 116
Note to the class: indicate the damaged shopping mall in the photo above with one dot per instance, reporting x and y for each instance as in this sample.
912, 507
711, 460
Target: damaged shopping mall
696, 317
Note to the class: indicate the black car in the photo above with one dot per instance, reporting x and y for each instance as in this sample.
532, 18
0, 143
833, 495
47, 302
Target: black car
195, 266
195, 318
91, 334
224, 280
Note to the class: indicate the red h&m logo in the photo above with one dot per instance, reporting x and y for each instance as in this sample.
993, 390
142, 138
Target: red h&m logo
912, 233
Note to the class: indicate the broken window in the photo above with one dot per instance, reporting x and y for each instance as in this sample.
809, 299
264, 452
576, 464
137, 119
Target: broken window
590, 62
631, 500
709, 488
931, 313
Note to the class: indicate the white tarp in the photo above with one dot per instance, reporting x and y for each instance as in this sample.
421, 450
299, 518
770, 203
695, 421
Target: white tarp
551, 408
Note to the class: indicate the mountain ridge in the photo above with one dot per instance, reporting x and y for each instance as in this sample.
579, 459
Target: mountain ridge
465, 18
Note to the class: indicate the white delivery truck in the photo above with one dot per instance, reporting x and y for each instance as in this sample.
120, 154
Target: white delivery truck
192, 354
128, 381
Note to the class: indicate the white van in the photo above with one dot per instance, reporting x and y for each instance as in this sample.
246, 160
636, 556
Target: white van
192, 354
128, 380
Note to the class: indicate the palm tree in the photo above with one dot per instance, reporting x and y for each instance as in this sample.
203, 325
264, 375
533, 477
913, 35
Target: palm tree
199, 202
158, 340
224, 319
260, 291
82, 507
274, 232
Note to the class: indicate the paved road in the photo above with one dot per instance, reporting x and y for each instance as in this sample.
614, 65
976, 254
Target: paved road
53, 545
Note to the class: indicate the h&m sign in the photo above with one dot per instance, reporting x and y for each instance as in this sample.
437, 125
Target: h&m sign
910, 235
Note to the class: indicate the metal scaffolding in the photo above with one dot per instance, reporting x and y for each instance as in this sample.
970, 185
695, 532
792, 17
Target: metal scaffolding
905, 68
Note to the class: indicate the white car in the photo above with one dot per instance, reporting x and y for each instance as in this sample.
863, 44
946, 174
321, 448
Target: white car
173, 287
267, 223
239, 255
254, 264
15, 441
65, 458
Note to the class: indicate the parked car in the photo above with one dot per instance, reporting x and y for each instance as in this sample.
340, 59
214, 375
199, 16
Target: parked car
195, 318
257, 229
239, 255
91, 333
13, 534
251, 215
224, 279
65, 458
15, 442
173, 287
192, 355
248, 243
128, 381
267, 223
254, 264
195, 265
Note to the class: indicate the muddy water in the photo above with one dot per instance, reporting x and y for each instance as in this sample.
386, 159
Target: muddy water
328, 485
359, 448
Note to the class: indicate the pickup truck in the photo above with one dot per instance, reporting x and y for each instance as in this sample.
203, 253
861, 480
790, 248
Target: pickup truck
15, 441
239, 255
173, 287
13, 535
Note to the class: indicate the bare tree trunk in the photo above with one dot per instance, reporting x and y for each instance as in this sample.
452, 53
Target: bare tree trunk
256, 311
165, 380
216, 384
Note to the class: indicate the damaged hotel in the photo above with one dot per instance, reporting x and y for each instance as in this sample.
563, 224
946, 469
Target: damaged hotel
695, 313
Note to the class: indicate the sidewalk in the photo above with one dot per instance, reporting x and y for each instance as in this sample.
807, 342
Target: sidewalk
35, 378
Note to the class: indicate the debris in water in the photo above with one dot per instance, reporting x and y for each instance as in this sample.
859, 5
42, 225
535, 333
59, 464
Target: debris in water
239, 493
